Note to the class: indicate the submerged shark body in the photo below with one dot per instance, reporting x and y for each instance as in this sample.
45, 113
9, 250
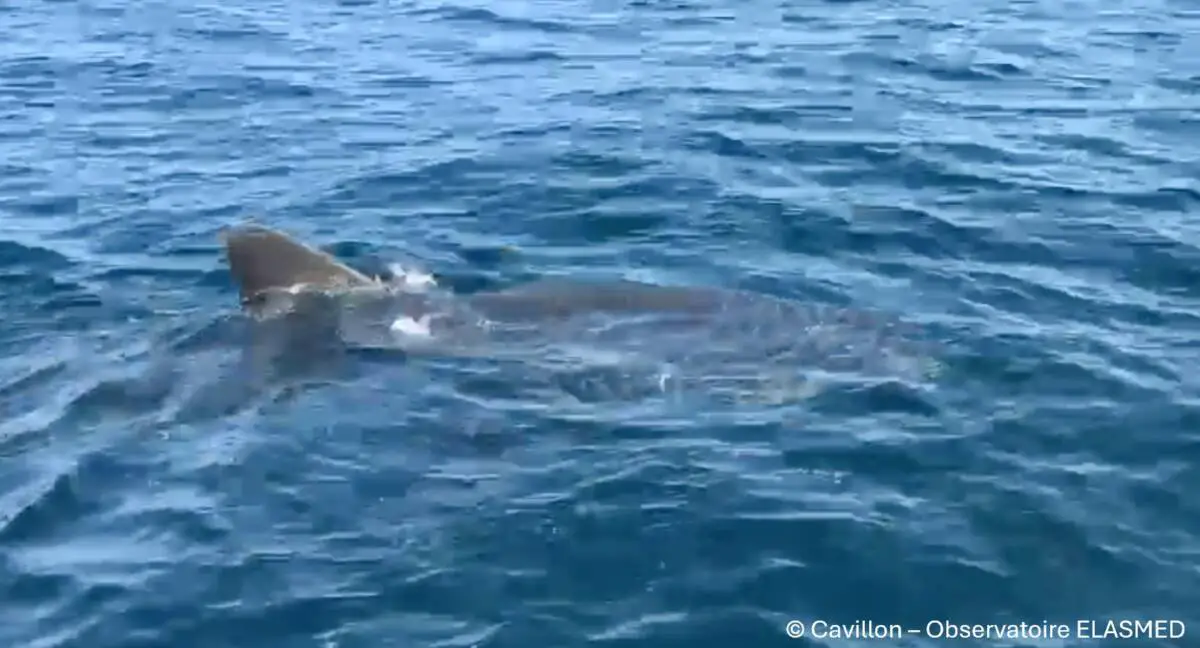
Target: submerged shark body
278, 276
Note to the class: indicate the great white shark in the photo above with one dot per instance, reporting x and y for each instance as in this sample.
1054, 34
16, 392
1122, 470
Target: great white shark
277, 275
267, 264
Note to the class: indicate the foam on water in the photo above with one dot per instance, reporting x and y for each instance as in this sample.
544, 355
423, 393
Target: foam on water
414, 280
406, 325
411, 279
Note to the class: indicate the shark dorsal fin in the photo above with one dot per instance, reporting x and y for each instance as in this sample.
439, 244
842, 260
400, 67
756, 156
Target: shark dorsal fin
263, 260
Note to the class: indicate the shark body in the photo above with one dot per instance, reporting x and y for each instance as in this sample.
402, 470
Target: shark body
709, 327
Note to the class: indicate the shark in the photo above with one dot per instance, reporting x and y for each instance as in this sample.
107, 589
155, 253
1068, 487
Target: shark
265, 261
267, 264
279, 276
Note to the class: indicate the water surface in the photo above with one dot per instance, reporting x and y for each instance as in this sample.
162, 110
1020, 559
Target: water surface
1014, 180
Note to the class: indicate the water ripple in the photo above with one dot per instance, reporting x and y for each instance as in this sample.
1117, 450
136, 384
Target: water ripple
1015, 181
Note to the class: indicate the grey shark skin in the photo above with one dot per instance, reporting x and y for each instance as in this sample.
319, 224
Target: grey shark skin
267, 263
703, 327
555, 298
264, 262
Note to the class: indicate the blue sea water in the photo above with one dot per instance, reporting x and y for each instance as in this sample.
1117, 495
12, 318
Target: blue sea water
1018, 180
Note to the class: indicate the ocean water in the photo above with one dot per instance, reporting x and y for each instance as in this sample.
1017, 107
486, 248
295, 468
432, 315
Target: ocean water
1017, 181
